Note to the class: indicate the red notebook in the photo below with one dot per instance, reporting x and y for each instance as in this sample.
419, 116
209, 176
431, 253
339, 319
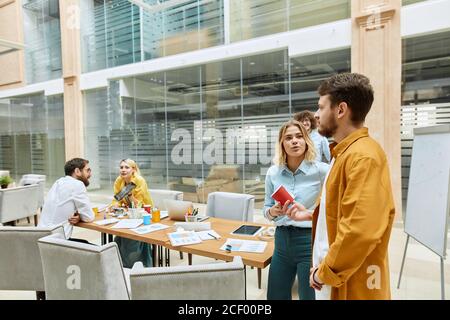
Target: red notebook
282, 195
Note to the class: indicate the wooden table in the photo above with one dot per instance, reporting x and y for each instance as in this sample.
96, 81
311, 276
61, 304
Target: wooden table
208, 248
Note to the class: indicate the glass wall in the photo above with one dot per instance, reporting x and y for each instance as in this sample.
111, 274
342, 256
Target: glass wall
255, 18
32, 136
110, 34
204, 128
117, 32
425, 89
42, 40
186, 26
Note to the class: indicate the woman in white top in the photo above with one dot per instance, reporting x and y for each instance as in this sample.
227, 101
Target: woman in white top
306, 118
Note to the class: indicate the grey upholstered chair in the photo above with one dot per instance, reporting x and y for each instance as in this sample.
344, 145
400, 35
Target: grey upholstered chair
20, 261
18, 203
232, 206
216, 281
158, 197
39, 179
79, 271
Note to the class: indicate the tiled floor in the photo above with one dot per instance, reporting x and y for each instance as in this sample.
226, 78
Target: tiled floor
421, 275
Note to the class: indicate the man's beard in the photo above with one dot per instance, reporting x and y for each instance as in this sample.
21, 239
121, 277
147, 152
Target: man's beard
84, 180
329, 130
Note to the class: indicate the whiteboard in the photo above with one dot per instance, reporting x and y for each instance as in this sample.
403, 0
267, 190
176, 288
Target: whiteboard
427, 207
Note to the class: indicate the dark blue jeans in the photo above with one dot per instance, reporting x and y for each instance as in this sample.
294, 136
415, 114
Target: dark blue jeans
291, 257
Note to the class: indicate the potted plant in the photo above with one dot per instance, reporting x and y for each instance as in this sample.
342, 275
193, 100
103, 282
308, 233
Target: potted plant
5, 181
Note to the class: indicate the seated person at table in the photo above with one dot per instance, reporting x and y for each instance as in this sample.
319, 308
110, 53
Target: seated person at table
132, 251
67, 201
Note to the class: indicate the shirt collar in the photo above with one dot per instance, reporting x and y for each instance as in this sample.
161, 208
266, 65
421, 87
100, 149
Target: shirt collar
338, 148
304, 168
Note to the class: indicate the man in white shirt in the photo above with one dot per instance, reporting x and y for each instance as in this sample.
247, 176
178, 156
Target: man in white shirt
67, 201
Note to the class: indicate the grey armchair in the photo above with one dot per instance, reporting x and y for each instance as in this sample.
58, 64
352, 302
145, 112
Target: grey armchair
216, 281
233, 206
18, 203
39, 179
78, 271
159, 195
20, 261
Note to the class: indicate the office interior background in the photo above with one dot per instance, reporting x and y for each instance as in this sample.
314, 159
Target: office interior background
215, 78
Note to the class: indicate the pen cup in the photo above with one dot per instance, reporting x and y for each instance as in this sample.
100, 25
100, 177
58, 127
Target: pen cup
156, 215
190, 218
147, 218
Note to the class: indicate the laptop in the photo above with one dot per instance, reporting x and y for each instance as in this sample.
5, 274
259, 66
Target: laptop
177, 209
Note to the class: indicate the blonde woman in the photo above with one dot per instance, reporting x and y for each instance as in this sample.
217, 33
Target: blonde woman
132, 251
297, 170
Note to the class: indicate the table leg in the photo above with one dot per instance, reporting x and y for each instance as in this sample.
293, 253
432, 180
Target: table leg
259, 277
103, 238
154, 254
190, 259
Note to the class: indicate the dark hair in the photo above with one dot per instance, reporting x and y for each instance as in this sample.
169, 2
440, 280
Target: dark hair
351, 88
74, 163
300, 116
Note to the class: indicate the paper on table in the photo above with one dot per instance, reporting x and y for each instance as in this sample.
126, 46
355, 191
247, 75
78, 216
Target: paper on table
183, 238
150, 228
106, 221
208, 235
128, 224
245, 245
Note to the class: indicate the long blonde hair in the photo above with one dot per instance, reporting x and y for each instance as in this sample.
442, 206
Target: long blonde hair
133, 165
281, 155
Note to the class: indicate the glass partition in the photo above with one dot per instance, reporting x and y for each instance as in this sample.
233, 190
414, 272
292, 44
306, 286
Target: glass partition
32, 136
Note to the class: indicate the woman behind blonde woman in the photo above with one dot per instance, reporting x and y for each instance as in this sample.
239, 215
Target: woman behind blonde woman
297, 170
132, 251
306, 118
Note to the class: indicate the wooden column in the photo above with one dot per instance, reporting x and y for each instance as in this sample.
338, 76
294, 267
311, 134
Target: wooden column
376, 53
71, 62
11, 29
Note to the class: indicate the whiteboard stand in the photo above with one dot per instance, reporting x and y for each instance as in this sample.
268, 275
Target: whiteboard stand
403, 264
428, 202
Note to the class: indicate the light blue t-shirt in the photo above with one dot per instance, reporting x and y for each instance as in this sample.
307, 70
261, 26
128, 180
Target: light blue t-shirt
304, 184
322, 146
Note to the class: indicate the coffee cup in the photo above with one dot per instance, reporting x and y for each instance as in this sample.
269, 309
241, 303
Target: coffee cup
147, 218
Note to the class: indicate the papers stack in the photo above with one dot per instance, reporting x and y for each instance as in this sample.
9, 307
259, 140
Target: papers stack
150, 228
245, 245
208, 235
104, 222
128, 224
183, 238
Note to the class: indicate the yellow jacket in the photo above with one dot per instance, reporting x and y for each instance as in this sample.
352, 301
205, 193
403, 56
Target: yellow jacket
359, 213
140, 193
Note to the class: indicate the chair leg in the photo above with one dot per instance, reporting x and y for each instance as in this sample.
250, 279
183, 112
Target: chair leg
190, 259
28, 219
40, 295
35, 220
259, 278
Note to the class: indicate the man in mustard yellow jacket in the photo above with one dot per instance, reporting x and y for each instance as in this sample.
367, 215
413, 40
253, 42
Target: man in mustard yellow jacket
352, 225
